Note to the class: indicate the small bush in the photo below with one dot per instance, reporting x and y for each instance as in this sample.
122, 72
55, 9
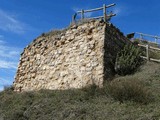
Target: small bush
90, 91
8, 88
136, 41
144, 41
43, 34
129, 90
128, 60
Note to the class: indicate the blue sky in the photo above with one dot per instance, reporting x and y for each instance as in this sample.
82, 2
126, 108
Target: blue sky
21, 21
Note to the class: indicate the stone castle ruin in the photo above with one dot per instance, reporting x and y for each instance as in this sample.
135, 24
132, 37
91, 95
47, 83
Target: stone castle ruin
76, 57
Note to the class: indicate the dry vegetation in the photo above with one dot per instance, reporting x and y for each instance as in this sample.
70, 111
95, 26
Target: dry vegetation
132, 97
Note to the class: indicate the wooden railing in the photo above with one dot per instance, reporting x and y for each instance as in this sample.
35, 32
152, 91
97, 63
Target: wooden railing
104, 16
156, 38
147, 52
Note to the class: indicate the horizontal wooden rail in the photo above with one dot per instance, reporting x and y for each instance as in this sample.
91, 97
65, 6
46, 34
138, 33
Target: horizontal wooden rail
154, 48
91, 10
143, 57
147, 35
155, 60
111, 15
153, 36
102, 16
96, 9
141, 45
106, 17
151, 59
147, 52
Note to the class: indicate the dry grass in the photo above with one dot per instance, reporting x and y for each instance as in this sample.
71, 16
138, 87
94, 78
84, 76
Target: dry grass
129, 90
87, 104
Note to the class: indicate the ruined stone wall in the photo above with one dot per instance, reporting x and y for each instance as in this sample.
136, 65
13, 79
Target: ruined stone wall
72, 58
79, 56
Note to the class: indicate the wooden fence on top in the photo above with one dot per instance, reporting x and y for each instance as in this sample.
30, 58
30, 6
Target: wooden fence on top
104, 16
147, 52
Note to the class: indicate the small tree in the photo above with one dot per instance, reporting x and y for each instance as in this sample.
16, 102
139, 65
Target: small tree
128, 60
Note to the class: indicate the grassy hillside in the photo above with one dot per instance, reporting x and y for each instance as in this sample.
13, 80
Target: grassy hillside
90, 103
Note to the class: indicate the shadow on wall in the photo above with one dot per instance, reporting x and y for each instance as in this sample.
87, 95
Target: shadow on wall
113, 43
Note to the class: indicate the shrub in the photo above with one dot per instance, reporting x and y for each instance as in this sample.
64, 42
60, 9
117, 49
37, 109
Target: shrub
144, 41
8, 88
129, 90
136, 41
128, 60
43, 34
90, 91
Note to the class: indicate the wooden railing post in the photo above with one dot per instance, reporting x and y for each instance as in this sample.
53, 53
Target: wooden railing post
104, 12
147, 52
141, 36
82, 14
156, 39
73, 19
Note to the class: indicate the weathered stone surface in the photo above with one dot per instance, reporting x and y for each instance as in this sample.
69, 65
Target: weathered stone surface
74, 58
